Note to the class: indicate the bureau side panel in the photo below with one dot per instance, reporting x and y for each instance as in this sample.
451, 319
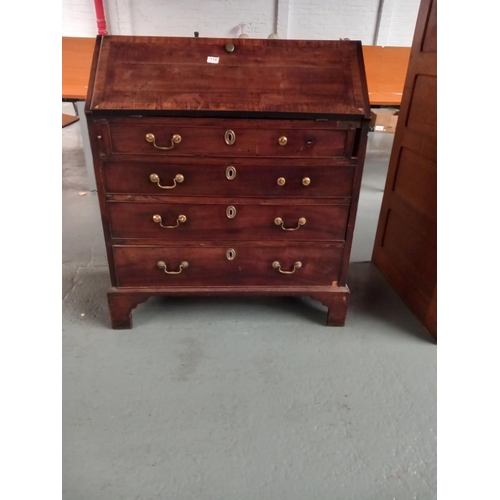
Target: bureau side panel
95, 136
360, 153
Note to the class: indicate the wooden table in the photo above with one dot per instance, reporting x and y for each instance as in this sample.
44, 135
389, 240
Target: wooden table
76, 62
385, 73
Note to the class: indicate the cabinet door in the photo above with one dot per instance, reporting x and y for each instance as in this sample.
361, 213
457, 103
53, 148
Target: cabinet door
405, 243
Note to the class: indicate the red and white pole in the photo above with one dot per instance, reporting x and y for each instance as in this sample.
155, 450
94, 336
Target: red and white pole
100, 17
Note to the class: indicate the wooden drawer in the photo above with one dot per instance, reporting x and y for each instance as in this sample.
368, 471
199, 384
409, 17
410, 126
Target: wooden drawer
137, 266
209, 138
226, 220
223, 178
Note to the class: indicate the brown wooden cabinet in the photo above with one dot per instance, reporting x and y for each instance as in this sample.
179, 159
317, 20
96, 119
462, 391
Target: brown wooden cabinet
405, 247
227, 167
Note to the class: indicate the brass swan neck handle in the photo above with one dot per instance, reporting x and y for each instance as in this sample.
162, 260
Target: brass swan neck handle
176, 139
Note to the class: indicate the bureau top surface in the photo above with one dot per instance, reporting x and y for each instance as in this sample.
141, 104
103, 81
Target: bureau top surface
215, 76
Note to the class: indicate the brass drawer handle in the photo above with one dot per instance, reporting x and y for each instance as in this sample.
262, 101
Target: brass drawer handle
282, 140
230, 137
281, 181
176, 138
178, 179
181, 219
182, 265
296, 266
306, 181
279, 222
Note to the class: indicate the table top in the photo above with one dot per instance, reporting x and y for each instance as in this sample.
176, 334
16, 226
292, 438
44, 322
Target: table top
385, 70
76, 61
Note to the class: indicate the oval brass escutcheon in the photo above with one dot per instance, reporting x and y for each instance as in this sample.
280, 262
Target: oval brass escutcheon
231, 212
230, 173
230, 137
230, 254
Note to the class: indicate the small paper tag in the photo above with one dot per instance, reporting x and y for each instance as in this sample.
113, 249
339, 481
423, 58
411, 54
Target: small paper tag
212, 60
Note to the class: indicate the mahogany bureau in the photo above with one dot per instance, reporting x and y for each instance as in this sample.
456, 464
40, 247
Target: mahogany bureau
227, 167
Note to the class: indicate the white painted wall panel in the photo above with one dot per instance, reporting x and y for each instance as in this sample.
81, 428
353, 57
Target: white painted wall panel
299, 19
78, 18
324, 19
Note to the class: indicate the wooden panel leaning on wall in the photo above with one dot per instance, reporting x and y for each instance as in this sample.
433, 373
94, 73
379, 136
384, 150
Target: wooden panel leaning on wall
406, 240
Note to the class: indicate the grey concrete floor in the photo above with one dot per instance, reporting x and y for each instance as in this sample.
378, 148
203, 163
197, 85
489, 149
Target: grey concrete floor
242, 398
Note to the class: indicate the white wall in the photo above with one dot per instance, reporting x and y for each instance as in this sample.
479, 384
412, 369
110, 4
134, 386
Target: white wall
320, 19
212, 18
78, 18
299, 19
397, 22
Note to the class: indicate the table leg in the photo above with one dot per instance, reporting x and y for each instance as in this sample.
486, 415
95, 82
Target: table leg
89, 163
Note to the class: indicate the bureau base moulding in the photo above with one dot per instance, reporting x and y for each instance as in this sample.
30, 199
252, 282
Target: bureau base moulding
123, 302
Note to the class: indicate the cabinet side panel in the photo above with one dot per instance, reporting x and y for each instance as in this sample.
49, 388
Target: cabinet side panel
361, 152
95, 133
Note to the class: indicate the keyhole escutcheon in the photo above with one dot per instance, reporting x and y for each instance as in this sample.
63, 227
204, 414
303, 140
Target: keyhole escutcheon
230, 173
230, 137
231, 212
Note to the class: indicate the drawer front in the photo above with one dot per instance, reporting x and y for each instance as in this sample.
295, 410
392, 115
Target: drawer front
210, 266
228, 179
232, 140
208, 221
